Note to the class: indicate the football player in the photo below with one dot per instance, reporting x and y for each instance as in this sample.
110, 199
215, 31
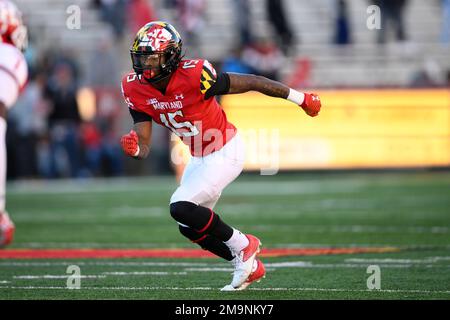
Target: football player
179, 94
13, 75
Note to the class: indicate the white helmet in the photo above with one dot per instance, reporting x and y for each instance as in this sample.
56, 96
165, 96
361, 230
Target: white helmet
12, 29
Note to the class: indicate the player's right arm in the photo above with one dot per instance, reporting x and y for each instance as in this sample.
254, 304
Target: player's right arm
136, 143
231, 83
240, 83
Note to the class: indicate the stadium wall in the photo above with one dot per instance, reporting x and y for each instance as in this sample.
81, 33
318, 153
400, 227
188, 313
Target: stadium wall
356, 129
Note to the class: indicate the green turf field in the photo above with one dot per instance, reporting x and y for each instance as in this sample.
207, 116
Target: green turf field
408, 211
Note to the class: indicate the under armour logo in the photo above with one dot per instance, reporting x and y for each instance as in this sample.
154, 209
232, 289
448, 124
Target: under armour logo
179, 96
152, 101
314, 98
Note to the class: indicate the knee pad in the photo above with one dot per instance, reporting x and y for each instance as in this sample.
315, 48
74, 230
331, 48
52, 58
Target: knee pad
196, 217
181, 210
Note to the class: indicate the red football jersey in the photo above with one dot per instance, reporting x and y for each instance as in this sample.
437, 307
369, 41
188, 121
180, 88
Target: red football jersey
200, 123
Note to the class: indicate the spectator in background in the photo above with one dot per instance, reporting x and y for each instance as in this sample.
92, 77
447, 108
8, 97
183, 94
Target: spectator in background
103, 65
300, 77
102, 155
64, 120
27, 126
234, 62
242, 15
100, 135
191, 18
139, 13
277, 17
53, 58
264, 57
392, 12
445, 30
428, 76
342, 24
113, 12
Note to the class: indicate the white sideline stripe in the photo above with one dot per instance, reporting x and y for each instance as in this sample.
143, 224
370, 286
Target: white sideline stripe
324, 266
95, 245
209, 269
268, 269
53, 276
210, 288
238, 188
105, 263
407, 261
354, 229
222, 268
199, 266
144, 273
103, 275
182, 245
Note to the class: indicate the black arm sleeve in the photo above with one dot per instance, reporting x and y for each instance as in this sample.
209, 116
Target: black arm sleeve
139, 116
221, 86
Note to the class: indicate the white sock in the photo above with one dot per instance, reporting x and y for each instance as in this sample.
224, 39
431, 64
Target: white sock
237, 242
2, 163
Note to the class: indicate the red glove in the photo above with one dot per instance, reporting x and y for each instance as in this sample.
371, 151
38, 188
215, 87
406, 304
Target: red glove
130, 143
311, 104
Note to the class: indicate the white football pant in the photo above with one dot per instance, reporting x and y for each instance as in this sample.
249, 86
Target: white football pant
204, 178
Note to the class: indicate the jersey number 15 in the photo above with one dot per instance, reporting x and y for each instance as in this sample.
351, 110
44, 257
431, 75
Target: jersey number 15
170, 122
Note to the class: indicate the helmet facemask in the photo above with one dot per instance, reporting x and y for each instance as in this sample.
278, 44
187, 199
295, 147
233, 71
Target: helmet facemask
155, 66
19, 38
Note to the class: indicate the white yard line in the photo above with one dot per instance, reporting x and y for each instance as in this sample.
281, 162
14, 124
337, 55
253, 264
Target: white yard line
348, 263
55, 276
169, 185
404, 261
216, 289
353, 229
105, 263
182, 245
98, 245
144, 273
102, 275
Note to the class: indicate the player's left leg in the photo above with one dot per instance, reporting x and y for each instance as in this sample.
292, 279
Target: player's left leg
203, 185
200, 188
207, 242
206, 228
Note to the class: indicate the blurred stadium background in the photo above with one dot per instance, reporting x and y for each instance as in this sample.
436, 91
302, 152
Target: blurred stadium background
323, 45
386, 105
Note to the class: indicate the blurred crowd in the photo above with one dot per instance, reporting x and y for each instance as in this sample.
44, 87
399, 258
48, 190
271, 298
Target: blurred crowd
67, 122
48, 134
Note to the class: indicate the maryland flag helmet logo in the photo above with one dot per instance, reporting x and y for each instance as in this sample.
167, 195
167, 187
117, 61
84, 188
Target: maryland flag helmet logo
156, 41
